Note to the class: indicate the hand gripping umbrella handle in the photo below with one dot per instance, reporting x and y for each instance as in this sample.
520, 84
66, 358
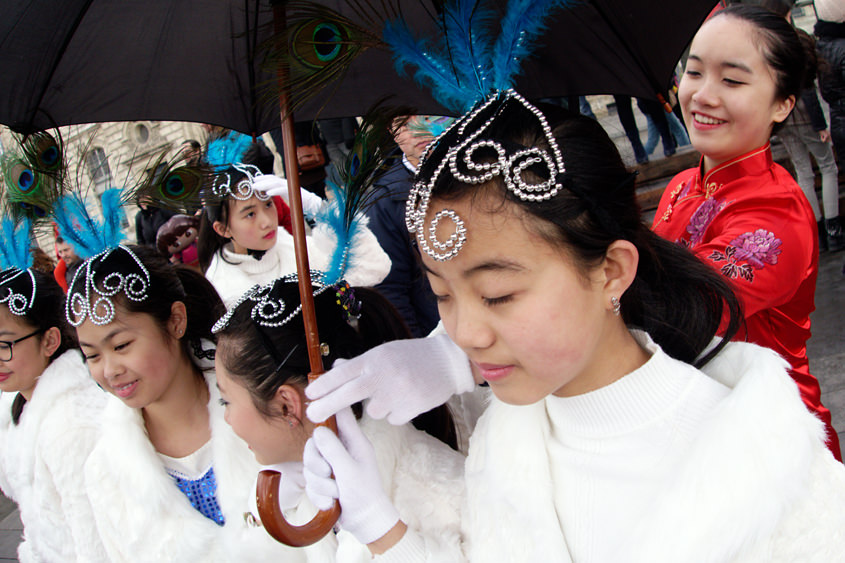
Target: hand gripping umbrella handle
273, 519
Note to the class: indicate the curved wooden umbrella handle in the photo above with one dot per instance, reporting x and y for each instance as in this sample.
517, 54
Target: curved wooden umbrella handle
274, 521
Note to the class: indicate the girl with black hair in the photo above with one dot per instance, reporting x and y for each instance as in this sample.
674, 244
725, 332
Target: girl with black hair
167, 471
262, 365
240, 242
738, 211
619, 429
49, 420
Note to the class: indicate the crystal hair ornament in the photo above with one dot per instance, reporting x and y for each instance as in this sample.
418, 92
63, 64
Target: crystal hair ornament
17, 289
226, 154
473, 70
474, 159
99, 242
92, 300
269, 310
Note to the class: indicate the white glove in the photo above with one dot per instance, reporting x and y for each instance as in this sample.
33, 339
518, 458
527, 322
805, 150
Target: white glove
292, 485
366, 511
401, 379
274, 186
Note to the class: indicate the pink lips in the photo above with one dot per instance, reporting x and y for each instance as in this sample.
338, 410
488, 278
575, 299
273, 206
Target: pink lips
125, 391
4, 376
706, 126
492, 372
269, 235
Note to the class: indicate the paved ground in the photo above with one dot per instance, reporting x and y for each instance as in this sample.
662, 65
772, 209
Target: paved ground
826, 347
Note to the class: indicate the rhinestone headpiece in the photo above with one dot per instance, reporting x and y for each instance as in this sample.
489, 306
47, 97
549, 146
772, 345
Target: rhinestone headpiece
473, 159
88, 299
269, 309
221, 185
15, 285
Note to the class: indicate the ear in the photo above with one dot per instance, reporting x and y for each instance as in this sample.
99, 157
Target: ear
619, 268
289, 401
51, 341
221, 229
782, 109
178, 321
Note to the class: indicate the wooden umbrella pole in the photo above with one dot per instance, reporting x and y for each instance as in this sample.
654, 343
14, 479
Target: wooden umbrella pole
268, 481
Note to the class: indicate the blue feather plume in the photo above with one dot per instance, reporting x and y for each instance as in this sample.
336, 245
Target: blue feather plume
344, 228
467, 42
226, 151
15, 244
522, 25
431, 71
88, 235
472, 59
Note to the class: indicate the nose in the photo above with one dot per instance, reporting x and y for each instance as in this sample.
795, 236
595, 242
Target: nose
269, 217
112, 367
470, 328
704, 93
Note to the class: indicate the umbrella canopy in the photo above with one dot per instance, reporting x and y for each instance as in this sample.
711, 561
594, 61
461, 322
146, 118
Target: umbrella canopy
81, 61
66, 62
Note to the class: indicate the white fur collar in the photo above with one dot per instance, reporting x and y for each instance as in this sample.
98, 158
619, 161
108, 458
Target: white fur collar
141, 514
705, 514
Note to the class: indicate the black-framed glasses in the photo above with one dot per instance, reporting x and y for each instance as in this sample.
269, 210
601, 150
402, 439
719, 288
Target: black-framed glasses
6, 345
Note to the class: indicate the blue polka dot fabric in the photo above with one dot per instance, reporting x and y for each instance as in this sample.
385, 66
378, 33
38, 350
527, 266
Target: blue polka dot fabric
202, 493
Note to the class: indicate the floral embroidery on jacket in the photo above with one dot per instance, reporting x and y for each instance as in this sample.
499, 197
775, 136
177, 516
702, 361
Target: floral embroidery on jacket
757, 249
702, 218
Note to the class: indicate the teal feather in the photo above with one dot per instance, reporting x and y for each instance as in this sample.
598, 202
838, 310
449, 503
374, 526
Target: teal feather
15, 244
87, 234
227, 151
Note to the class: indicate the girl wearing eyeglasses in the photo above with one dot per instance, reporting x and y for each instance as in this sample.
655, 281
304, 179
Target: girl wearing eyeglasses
49, 408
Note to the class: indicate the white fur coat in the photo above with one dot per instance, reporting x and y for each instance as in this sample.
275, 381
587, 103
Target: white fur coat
142, 515
758, 484
233, 274
42, 459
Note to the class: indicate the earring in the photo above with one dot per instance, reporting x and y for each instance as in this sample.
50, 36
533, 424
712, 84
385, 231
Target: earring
617, 306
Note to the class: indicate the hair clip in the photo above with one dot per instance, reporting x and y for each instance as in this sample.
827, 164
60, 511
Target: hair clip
134, 285
16, 286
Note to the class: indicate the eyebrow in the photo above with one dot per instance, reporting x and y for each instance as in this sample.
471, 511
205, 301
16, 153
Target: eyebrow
725, 64
107, 337
249, 207
494, 265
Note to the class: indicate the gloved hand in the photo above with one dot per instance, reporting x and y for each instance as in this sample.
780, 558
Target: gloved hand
292, 485
366, 511
401, 379
274, 186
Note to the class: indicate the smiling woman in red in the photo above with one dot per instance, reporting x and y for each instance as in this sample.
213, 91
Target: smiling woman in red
738, 210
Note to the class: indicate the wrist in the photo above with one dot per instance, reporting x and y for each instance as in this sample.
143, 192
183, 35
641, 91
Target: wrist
388, 540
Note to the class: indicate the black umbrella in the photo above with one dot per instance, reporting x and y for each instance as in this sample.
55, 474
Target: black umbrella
66, 62
82, 61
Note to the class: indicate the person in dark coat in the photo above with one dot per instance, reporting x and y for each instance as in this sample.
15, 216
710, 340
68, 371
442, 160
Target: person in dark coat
406, 286
148, 220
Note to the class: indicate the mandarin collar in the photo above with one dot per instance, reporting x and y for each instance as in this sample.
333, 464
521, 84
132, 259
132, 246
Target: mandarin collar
752, 163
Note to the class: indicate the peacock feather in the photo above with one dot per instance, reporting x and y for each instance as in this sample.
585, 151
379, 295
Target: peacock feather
174, 185
33, 175
319, 44
372, 154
